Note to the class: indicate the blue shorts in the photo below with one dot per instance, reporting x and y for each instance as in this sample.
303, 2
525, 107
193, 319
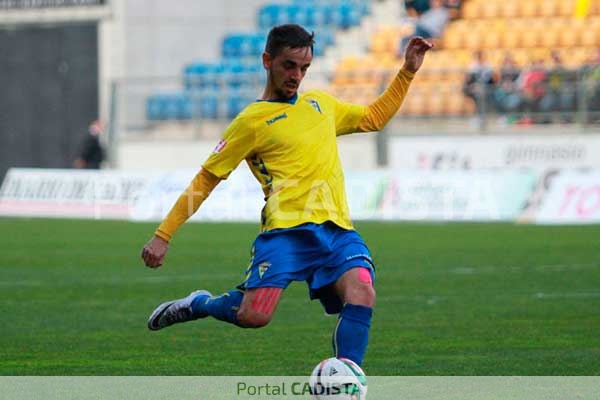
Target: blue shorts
316, 253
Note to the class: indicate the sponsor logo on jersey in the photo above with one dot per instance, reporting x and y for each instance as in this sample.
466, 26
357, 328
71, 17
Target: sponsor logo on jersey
277, 118
220, 146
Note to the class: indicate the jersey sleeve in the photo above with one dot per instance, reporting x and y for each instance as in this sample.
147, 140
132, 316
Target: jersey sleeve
347, 117
236, 143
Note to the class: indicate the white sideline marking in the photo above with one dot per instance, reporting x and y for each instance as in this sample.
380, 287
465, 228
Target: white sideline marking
486, 269
566, 295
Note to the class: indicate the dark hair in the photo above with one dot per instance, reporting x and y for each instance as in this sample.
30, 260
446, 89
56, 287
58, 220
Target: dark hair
288, 35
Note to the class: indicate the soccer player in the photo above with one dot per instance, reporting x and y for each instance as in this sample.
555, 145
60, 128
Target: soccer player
289, 142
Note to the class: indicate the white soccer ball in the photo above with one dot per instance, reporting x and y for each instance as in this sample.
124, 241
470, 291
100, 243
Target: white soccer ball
338, 379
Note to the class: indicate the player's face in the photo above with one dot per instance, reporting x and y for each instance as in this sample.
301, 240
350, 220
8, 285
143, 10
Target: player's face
286, 70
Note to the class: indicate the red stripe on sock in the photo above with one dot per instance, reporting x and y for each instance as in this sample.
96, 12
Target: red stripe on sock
265, 300
271, 300
257, 301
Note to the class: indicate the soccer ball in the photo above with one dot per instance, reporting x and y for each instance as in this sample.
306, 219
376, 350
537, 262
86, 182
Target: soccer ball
338, 379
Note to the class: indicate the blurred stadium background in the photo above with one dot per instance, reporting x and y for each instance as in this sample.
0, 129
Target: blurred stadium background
166, 77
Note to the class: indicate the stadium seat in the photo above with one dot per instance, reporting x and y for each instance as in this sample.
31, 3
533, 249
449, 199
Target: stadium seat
271, 15
236, 101
346, 15
205, 104
154, 108
297, 14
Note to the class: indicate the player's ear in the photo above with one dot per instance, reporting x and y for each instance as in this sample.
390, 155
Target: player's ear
266, 60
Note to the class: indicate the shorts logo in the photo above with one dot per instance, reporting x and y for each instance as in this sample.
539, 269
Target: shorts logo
220, 146
262, 268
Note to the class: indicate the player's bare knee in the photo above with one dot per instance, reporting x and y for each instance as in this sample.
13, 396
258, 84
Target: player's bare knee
358, 288
363, 294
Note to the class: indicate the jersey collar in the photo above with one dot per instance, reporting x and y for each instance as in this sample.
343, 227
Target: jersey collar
291, 100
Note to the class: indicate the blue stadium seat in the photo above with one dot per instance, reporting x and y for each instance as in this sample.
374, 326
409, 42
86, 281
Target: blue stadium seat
258, 41
205, 103
271, 15
202, 75
154, 108
319, 14
232, 45
346, 15
297, 14
176, 106
233, 74
237, 101
185, 106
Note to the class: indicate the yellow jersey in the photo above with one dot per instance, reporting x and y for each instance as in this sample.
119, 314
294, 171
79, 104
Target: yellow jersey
291, 149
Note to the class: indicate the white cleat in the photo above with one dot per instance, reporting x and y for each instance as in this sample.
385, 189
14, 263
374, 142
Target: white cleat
175, 311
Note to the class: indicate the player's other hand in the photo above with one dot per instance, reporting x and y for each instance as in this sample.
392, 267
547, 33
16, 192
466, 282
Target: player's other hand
415, 53
154, 252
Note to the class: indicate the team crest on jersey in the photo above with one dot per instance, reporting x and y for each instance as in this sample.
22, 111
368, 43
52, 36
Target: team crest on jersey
315, 105
220, 146
262, 268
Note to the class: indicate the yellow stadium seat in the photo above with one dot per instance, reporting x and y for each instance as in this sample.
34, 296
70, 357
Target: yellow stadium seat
548, 8
529, 38
492, 39
508, 9
566, 8
590, 37
473, 41
378, 44
471, 10
569, 37
453, 38
490, 10
550, 38
511, 38
528, 9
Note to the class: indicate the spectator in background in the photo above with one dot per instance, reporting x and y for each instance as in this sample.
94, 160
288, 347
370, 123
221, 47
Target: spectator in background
590, 74
559, 100
92, 153
429, 25
414, 8
479, 86
454, 8
507, 97
533, 89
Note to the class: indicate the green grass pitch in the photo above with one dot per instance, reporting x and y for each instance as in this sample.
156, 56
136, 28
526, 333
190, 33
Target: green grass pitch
453, 299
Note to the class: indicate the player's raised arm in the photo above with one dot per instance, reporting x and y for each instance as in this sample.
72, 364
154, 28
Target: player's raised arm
386, 106
155, 250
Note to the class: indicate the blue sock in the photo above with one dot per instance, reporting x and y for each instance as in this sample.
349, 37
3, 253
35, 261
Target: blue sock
223, 307
351, 334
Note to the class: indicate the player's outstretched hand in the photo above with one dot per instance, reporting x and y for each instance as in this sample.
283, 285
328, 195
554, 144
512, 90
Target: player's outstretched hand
415, 53
154, 252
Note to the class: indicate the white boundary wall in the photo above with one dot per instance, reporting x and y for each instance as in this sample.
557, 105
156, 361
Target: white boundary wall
476, 152
544, 180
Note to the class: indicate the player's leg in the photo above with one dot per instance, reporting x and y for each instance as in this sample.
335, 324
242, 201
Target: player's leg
344, 285
249, 308
250, 305
351, 335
